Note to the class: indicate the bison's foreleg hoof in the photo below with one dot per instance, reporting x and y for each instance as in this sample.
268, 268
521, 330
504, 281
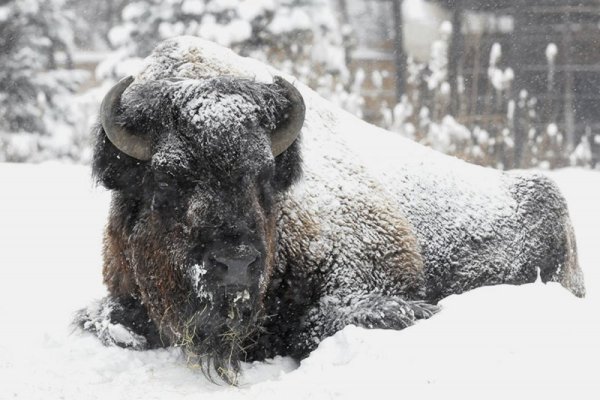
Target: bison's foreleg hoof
388, 312
122, 322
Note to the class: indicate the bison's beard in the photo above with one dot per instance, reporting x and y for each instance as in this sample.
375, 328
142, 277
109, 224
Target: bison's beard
219, 332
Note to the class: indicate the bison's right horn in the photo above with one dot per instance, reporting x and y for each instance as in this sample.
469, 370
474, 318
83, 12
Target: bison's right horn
286, 134
130, 144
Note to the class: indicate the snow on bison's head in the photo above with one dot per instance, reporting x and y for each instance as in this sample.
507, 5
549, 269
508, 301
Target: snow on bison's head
196, 167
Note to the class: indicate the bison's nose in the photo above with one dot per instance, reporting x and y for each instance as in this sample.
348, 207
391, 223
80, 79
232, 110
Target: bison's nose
232, 269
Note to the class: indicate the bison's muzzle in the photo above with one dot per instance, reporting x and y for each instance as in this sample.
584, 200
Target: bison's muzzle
232, 266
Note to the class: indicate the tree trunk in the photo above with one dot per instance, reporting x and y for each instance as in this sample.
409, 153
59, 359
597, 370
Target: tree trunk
399, 52
454, 56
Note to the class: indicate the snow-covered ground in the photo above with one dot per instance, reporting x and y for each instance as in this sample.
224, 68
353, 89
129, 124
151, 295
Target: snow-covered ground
533, 341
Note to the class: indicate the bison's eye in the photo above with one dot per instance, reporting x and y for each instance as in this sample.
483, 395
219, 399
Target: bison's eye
266, 174
264, 185
166, 194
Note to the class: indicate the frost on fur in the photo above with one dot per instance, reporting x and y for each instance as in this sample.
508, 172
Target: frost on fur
219, 246
97, 319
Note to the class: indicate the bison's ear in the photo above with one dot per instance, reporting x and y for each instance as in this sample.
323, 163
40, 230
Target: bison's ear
112, 168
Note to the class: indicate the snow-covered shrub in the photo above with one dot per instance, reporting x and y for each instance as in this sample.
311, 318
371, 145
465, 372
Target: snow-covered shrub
35, 44
94, 21
586, 152
301, 37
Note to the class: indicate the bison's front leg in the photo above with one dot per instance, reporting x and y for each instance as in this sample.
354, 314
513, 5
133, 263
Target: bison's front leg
122, 322
385, 312
367, 310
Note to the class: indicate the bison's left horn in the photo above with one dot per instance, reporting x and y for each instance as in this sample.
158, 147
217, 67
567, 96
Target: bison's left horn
130, 144
288, 131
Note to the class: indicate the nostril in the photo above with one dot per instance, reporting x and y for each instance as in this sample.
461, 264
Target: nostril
220, 267
254, 266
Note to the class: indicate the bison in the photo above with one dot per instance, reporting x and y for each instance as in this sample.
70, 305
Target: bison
251, 218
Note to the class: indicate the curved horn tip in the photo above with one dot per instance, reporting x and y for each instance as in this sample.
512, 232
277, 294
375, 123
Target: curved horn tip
286, 84
128, 80
288, 132
134, 146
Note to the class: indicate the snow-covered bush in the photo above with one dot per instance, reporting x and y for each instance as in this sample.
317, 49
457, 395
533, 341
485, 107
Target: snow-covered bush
94, 19
586, 152
301, 37
35, 44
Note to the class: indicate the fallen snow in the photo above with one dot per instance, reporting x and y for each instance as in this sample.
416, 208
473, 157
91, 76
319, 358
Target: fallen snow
534, 340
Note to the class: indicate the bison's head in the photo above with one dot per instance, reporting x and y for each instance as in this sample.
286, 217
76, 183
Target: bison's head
197, 168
